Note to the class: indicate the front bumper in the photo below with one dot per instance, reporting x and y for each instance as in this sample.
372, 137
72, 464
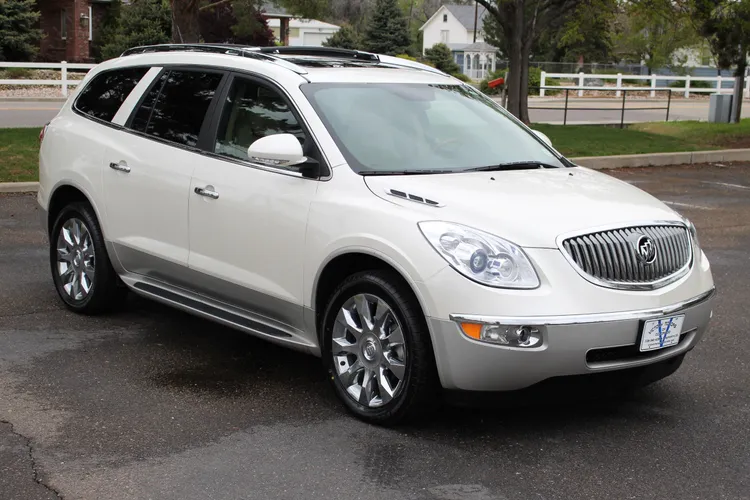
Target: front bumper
572, 345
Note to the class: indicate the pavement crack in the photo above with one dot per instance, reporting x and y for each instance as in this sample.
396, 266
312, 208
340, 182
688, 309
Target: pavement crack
34, 471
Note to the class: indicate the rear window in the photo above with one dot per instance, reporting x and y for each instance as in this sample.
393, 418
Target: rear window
106, 92
174, 110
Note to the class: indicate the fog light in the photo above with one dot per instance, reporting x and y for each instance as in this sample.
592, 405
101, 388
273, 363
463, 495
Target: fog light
509, 335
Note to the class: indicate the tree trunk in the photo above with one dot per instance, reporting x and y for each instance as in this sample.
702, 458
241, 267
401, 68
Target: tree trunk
185, 28
523, 111
516, 69
739, 88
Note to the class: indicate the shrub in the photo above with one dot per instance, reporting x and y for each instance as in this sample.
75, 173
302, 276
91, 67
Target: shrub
143, 22
345, 38
18, 73
441, 57
462, 77
535, 78
694, 84
19, 35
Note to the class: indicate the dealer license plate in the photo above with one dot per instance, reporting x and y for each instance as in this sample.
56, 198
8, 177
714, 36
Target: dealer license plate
661, 333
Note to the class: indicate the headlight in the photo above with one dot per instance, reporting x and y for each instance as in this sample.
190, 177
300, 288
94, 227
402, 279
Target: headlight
693, 231
480, 256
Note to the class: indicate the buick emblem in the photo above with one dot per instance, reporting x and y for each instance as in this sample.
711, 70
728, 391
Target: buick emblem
645, 250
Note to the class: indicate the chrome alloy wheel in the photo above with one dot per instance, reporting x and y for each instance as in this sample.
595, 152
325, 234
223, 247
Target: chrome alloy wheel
75, 259
368, 349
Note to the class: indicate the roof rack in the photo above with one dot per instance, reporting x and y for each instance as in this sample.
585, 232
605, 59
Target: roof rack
272, 54
321, 51
238, 50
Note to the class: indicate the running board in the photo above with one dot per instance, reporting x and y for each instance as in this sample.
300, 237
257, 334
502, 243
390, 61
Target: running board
216, 311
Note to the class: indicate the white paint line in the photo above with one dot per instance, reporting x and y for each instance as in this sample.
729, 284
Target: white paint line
726, 184
687, 205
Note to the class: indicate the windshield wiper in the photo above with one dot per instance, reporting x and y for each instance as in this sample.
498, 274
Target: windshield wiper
406, 172
514, 165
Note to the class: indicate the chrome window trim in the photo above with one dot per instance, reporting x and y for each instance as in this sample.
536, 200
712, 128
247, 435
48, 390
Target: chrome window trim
577, 319
650, 285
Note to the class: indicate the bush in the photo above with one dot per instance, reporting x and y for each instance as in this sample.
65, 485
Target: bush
19, 35
345, 38
143, 22
694, 84
17, 73
462, 77
535, 78
441, 57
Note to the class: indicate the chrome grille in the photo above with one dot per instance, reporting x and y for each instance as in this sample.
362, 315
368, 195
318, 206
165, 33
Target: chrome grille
611, 257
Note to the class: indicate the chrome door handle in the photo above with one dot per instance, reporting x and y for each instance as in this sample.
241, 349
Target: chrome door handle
207, 192
120, 167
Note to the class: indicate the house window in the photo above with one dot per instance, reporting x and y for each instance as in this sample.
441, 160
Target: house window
91, 24
444, 36
445, 18
63, 24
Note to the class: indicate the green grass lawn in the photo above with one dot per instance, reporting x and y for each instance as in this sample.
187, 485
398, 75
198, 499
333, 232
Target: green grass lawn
19, 147
654, 137
19, 154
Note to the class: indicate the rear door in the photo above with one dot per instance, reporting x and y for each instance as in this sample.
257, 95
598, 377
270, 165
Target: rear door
148, 166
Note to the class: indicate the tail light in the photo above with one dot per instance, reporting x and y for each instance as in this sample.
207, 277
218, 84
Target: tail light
41, 132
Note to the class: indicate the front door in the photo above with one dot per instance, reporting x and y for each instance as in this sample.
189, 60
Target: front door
248, 222
147, 172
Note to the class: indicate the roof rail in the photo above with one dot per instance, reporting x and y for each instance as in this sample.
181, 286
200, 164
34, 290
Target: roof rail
321, 51
237, 50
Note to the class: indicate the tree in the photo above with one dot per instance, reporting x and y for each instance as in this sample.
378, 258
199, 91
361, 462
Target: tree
726, 26
345, 38
238, 22
653, 31
520, 24
19, 37
387, 31
143, 22
441, 57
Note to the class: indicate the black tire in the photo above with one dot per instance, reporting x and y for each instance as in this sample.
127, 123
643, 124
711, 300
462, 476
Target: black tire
420, 390
107, 291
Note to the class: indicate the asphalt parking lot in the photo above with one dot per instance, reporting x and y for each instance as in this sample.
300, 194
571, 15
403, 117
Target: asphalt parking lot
150, 403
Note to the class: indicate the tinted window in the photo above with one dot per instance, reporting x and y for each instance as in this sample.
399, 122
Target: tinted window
143, 114
250, 112
104, 95
179, 110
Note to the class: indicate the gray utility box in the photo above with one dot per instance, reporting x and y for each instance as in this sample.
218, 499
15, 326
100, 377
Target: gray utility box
720, 108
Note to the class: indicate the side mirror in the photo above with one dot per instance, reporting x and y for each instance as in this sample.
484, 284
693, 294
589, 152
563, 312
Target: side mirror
543, 137
278, 150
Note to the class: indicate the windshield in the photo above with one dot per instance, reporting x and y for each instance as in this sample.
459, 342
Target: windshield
413, 128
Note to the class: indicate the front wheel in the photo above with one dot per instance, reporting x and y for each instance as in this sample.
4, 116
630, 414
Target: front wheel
377, 349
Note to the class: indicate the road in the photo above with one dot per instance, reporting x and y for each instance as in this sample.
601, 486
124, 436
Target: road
150, 403
36, 113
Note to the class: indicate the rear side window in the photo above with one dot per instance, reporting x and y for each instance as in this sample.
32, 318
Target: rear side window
106, 92
175, 108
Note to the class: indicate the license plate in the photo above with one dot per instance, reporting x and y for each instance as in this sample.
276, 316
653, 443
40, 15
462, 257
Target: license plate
661, 333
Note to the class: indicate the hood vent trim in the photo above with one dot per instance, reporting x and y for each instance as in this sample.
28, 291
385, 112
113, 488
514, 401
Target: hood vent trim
413, 197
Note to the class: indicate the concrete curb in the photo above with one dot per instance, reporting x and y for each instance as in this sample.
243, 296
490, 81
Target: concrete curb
33, 99
593, 162
19, 187
663, 159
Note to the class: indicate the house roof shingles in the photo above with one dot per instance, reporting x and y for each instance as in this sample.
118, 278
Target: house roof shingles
465, 15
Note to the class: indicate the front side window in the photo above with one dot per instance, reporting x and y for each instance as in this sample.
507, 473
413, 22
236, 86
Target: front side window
410, 128
252, 111
106, 92
176, 112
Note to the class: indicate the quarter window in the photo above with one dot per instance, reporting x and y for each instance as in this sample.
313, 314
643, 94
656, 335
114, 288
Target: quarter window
253, 111
106, 92
176, 114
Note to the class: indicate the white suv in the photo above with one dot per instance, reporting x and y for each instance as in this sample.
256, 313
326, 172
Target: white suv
368, 210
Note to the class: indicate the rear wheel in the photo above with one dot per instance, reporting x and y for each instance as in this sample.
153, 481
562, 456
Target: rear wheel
81, 270
377, 349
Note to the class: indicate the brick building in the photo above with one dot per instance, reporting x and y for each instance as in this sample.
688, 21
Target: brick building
69, 28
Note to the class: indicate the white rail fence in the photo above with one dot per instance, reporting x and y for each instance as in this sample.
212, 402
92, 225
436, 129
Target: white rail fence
580, 79
63, 67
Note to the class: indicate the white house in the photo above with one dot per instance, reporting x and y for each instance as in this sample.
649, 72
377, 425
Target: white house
307, 32
460, 27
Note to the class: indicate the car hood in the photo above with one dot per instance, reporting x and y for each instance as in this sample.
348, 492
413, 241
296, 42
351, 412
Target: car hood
528, 207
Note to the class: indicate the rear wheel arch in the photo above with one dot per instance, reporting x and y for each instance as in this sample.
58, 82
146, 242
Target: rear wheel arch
62, 196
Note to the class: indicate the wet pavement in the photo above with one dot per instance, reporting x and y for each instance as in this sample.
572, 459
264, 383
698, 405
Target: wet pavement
153, 403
